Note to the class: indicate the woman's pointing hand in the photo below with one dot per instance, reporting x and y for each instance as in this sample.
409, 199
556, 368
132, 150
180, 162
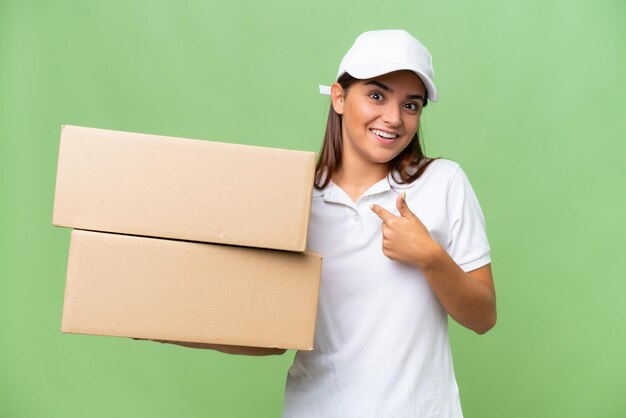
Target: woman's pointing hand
405, 238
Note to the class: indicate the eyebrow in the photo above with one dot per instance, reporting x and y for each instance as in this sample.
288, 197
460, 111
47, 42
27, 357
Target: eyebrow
387, 88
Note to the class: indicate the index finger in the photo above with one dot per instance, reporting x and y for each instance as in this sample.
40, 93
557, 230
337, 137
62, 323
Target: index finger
381, 212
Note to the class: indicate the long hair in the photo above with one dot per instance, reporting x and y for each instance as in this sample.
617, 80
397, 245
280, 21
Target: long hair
409, 164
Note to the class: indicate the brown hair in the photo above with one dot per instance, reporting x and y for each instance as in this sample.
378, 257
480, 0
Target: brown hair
409, 164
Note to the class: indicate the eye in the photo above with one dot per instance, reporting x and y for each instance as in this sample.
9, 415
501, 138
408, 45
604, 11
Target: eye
376, 95
412, 106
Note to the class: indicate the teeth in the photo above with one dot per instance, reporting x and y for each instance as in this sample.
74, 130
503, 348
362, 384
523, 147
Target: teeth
384, 134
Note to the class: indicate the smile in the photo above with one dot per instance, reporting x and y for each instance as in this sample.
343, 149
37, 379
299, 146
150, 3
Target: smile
383, 134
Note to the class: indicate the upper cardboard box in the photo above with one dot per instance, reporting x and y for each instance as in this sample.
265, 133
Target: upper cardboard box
183, 188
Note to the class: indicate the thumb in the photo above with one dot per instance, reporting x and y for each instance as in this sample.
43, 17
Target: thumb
402, 206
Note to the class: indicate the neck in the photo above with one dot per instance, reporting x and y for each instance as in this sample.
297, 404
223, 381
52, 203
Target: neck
355, 176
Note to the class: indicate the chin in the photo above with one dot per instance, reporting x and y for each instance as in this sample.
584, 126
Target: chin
386, 154
381, 161
384, 158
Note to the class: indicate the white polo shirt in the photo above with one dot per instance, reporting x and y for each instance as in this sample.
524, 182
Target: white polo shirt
381, 343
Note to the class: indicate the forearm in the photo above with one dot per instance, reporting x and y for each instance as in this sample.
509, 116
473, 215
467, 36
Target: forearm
248, 351
469, 301
230, 349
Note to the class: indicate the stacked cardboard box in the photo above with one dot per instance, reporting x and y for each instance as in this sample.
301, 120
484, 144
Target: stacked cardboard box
186, 240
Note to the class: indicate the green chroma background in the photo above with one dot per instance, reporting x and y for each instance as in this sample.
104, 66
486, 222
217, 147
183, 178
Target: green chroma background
532, 106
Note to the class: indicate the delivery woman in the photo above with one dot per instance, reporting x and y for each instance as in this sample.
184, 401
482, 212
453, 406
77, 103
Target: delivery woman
403, 242
404, 245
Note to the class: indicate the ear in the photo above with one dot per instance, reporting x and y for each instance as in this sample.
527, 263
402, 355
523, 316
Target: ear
337, 97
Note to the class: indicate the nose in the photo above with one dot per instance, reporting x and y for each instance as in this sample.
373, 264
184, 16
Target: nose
392, 115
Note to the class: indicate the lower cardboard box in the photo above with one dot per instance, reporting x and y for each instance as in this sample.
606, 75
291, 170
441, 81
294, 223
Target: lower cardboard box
163, 289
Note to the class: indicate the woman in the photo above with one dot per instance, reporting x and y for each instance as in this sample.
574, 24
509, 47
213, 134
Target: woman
404, 245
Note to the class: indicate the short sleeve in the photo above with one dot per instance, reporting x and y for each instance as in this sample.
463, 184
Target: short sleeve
467, 243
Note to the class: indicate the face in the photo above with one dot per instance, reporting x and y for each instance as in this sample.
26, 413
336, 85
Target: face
379, 116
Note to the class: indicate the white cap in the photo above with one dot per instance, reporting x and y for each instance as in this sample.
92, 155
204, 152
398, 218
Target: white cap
379, 52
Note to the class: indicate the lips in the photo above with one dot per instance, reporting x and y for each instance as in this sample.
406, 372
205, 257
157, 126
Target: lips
384, 134
384, 137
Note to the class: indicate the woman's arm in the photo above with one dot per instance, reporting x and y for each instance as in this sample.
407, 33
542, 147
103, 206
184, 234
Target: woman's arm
228, 349
469, 298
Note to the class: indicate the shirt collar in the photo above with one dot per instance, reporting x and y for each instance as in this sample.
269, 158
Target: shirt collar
381, 186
